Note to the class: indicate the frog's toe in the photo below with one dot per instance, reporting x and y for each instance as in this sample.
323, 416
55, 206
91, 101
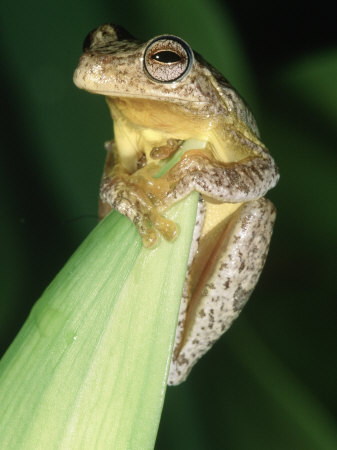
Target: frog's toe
149, 237
167, 228
166, 150
149, 229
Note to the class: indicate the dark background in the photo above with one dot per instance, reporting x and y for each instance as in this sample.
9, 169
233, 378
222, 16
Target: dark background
270, 383
277, 34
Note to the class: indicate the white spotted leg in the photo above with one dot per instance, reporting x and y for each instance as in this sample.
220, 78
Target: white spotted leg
210, 304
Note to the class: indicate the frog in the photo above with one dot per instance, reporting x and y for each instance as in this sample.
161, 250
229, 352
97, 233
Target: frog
160, 94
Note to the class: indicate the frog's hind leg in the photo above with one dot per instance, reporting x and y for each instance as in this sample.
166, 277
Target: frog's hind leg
224, 285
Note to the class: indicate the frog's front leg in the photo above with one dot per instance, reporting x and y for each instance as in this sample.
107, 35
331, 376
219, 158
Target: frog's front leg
239, 181
127, 196
130, 194
210, 305
234, 182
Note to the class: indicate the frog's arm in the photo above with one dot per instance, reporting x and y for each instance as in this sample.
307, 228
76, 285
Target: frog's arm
120, 191
241, 181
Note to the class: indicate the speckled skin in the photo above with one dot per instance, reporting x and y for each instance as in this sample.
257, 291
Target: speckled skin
112, 65
214, 304
234, 168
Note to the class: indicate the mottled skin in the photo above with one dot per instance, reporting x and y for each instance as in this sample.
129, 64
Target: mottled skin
161, 93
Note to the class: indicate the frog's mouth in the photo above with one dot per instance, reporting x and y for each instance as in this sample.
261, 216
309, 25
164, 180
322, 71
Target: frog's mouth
161, 99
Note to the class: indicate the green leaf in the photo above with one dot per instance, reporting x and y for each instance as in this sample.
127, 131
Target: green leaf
89, 367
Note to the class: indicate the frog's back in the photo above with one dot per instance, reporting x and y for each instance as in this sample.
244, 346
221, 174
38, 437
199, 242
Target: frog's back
233, 98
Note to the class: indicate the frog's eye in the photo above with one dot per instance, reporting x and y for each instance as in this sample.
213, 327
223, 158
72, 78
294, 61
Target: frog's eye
167, 59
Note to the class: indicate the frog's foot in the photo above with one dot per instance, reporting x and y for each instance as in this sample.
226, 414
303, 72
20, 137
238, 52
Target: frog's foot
164, 151
131, 196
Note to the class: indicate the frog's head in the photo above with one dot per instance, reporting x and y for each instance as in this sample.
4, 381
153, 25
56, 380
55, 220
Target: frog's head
115, 64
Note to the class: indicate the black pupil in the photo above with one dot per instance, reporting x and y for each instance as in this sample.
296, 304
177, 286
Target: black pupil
166, 57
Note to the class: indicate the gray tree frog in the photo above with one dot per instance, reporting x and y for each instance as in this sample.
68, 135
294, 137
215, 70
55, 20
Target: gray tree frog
161, 93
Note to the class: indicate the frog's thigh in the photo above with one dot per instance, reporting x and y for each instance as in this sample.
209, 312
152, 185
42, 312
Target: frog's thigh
241, 254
